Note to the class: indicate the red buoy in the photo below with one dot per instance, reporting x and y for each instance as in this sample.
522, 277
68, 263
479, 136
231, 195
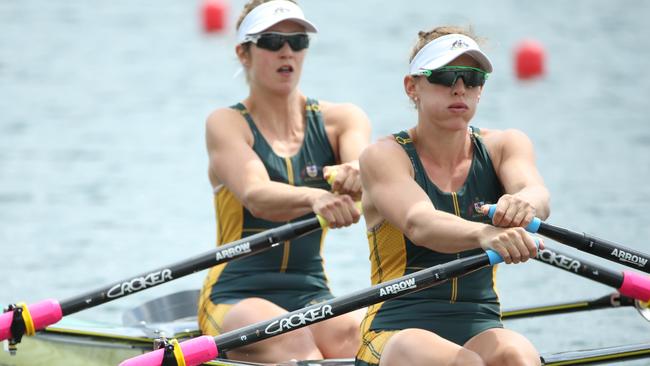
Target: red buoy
529, 59
214, 14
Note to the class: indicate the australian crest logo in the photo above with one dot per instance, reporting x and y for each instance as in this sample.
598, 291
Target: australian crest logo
281, 10
312, 170
474, 210
477, 207
459, 43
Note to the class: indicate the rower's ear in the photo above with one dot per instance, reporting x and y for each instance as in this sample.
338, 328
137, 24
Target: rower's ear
409, 88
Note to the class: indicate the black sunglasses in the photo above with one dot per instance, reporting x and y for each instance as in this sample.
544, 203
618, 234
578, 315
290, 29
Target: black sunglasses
274, 41
448, 75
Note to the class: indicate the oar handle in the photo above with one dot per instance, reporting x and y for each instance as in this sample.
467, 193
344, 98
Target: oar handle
495, 258
323, 222
36, 316
531, 228
331, 175
195, 352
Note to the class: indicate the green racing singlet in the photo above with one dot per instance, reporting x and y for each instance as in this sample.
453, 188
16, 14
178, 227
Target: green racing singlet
291, 274
456, 310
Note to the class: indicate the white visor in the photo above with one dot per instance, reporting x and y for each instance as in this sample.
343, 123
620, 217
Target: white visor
442, 50
268, 14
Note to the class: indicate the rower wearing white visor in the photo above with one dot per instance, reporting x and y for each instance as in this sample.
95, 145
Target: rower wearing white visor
424, 202
269, 156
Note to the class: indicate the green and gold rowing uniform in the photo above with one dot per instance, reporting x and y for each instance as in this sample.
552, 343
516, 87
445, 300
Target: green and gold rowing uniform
291, 274
456, 310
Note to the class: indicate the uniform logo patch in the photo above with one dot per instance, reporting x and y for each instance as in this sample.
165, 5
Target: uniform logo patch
312, 170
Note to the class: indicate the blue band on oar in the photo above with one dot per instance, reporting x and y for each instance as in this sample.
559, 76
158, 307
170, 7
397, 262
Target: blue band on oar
494, 257
531, 228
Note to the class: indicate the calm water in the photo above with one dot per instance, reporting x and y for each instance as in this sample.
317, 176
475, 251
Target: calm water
103, 165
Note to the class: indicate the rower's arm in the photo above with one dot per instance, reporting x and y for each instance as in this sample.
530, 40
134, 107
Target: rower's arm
518, 172
350, 129
234, 163
391, 193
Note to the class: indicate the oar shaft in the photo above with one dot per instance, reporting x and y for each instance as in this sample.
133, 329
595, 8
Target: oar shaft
385, 291
225, 253
580, 267
606, 302
50, 311
599, 247
587, 243
319, 312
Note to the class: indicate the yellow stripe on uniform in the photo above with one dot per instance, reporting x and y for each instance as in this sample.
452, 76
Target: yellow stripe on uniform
454, 281
287, 244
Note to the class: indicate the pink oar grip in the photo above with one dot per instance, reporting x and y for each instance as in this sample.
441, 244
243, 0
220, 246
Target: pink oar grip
635, 286
43, 313
195, 351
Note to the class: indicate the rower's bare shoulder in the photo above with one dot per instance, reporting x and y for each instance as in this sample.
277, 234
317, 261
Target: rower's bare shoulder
227, 122
503, 138
385, 152
342, 113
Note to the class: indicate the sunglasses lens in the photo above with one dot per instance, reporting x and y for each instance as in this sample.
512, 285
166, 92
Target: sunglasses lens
274, 42
271, 42
298, 42
471, 78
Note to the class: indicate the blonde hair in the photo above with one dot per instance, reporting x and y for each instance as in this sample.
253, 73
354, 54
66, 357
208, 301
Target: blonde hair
426, 37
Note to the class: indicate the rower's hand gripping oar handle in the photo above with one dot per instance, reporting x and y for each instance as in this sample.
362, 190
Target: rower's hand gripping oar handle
495, 258
331, 175
634, 285
24, 319
531, 228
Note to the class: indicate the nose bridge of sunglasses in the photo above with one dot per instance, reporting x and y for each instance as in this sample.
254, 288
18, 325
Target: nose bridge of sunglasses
458, 75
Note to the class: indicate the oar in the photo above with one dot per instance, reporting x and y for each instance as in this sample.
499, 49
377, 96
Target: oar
22, 319
611, 301
628, 283
205, 348
588, 243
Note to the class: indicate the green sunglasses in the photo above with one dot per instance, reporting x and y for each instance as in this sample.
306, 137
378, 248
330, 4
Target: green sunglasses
448, 75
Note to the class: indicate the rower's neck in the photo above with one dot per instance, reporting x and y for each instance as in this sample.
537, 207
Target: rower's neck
282, 115
442, 147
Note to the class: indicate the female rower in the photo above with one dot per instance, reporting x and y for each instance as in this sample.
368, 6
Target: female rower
425, 196
269, 156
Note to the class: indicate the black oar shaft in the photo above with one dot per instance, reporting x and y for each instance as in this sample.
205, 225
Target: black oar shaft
580, 267
316, 313
238, 249
599, 247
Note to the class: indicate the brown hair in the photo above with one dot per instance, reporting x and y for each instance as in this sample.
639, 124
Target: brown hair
426, 37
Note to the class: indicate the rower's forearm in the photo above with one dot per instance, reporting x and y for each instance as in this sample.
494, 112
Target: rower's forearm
275, 201
443, 232
539, 197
